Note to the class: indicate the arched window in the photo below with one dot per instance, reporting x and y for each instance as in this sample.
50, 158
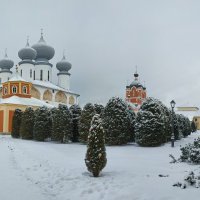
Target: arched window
71, 100
5, 90
24, 89
34, 75
21, 72
14, 89
30, 73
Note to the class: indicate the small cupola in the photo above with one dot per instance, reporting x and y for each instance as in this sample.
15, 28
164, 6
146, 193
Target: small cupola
16, 86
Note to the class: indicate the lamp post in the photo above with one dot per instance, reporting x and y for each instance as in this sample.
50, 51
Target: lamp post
173, 103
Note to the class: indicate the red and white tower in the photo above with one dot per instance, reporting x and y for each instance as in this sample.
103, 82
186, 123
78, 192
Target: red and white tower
135, 93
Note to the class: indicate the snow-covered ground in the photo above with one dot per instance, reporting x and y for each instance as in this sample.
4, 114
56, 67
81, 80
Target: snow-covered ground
32, 170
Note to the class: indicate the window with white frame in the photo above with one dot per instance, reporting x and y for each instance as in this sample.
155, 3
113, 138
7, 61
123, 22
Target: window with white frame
14, 89
24, 89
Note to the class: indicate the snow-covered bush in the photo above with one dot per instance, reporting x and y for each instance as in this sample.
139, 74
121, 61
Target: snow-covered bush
186, 126
167, 122
27, 122
96, 153
191, 152
193, 127
150, 123
16, 121
116, 122
181, 125
190, 180
177, 131
61, 124
76, 113
42, 124
132, 117
85, 120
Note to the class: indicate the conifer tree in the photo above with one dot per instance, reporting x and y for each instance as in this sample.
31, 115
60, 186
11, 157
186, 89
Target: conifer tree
16, 121
150, 122
42, 124
84, 125
188, 126
177, 131
193, 126
52, 112
96, 153
132, 117
76, 114
99, 108
61, 124
116, 122
167, 122
27, 122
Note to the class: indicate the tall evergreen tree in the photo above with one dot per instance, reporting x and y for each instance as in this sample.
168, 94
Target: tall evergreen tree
61, 124
188, 125
150, 123
193, 126
167, 122
16, 121
181, 125
132, 117
116, 122
27, 122
96, 153
84, 125
42, 124
177, 131
76, 114
99, 108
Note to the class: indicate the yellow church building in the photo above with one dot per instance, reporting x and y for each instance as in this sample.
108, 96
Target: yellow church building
16, 93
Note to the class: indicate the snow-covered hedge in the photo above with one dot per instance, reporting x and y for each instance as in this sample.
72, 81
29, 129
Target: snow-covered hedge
61, 124
42, 124
96, 152
153, 124
116, 122
27, 122
76, 114
84, 124
191, 152
16, 121
150, 123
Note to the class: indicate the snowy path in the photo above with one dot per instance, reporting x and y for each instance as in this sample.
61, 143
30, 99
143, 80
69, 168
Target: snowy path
40, 171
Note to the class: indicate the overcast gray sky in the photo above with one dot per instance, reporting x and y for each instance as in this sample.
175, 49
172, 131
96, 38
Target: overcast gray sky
105, 39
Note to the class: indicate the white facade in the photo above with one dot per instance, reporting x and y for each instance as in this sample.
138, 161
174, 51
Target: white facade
63, 81
54, 92
35, 67
4, 76
26, 70
43, 72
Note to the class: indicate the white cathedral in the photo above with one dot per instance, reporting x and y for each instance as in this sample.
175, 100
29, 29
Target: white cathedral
35, 68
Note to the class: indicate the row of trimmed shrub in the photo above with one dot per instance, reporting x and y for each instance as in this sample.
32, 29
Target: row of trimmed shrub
152, 126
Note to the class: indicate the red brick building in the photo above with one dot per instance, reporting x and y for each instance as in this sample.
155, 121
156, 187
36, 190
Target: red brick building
135, 93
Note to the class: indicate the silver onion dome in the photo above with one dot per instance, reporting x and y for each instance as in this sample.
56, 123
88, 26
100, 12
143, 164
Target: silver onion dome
135, 82
27, 53
43, 50
6, 63
63, 65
